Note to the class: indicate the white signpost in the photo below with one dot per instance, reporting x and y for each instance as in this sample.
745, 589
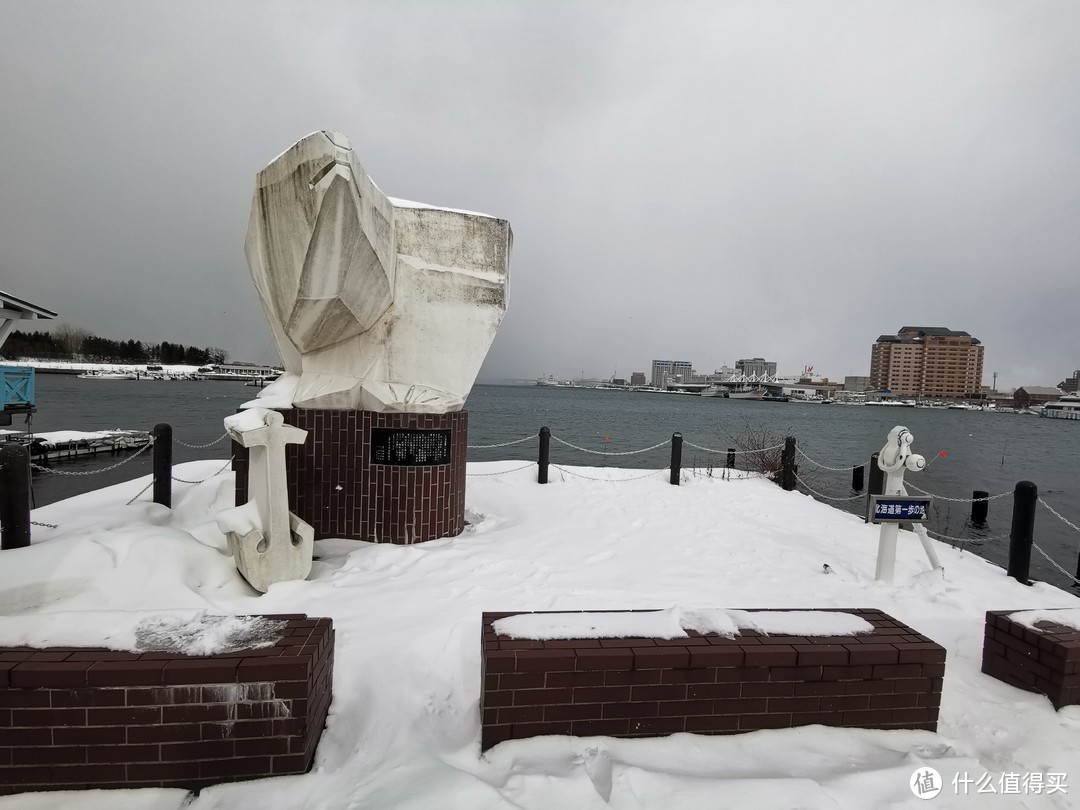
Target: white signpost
894, 505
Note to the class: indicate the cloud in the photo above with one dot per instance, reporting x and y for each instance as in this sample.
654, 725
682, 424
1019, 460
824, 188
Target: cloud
704, 181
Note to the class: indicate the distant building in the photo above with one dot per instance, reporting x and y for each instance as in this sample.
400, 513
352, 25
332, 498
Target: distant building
673, 370
1071, 385
857, 384
927, 361
637, 378
755, 365
1027, 395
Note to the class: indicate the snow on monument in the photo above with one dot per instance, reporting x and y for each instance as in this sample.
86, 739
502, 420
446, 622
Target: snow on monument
377, 304
383, 311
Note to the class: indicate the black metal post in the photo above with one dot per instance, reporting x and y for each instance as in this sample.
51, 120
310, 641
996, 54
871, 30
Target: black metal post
676, 457
731, 458
979, 506
163, 464
787, 464
877, 477
14, 496
545, 456
857, 478
876, 485
1025, 496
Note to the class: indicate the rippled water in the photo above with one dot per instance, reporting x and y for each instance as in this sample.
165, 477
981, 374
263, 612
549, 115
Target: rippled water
984, 451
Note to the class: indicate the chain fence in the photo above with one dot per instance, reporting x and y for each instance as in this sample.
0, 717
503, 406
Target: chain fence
963, 540
909, 485
570, 472
732, 451
1050, 560
813, 491
612, 452
215, 475
130, 458
202, 446
502, 444
1059, 516
848, 468
501, 472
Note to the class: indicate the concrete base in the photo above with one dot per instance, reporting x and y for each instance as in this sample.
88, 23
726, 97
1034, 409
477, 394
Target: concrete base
379, 477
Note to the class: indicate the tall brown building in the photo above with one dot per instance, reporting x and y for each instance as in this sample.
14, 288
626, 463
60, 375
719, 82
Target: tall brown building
927, 361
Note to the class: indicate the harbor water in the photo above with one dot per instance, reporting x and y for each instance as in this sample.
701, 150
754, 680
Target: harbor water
982, 450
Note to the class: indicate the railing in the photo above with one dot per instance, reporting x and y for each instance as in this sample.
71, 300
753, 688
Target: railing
781, 467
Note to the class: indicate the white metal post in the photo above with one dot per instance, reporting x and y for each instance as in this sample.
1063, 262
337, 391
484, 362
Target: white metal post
896, 457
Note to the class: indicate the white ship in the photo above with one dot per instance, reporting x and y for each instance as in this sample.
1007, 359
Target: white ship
1068, 407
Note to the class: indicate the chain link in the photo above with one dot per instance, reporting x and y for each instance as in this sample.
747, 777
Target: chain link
733, 452
504, 444
202, 446
1050, 560
909, 485
966, 539
501, 472
141, 491
609, 453
132, 457
822, 466
822, 495
46, 525
608, 480
1059, 516
215, 475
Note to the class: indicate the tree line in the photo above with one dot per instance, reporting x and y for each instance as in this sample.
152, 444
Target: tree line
81, 346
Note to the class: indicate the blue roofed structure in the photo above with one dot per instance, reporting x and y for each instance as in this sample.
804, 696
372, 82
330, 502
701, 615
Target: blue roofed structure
17, 382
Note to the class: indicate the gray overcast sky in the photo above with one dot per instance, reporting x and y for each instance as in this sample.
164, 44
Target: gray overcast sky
694, 181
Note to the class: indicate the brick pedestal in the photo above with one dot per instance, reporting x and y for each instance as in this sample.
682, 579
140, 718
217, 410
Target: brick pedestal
344, 480
709, 684
93, 718
1043, 659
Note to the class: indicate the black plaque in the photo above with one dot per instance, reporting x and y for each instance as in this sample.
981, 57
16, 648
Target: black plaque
410, 448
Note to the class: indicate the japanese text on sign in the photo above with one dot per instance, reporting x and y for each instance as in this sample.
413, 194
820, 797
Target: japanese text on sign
410, 448
886, 509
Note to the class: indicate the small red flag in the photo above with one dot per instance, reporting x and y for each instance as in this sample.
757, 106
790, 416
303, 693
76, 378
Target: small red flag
607, 438
942, 454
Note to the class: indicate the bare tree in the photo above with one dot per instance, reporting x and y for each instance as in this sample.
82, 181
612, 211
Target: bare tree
71, 338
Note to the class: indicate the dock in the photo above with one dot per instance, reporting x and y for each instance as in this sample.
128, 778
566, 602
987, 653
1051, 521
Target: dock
67, 445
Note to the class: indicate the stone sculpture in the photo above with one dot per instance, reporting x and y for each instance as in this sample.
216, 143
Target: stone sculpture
377, 304
268, 542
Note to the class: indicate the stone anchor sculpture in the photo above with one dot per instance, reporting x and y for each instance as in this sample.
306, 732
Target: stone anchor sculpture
268, 542
377, 304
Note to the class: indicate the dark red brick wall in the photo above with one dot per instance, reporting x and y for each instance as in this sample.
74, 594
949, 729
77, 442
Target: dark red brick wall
92, 718
1045, 659
708, 684
334, 486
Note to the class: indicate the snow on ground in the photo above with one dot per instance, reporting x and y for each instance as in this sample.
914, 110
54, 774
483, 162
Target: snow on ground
404, 726
65, 364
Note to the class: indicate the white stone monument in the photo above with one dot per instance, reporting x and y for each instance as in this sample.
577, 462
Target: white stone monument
268, 542
377, 304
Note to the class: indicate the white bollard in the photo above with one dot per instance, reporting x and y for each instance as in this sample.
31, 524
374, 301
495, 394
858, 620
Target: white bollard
269, 544
896, 457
